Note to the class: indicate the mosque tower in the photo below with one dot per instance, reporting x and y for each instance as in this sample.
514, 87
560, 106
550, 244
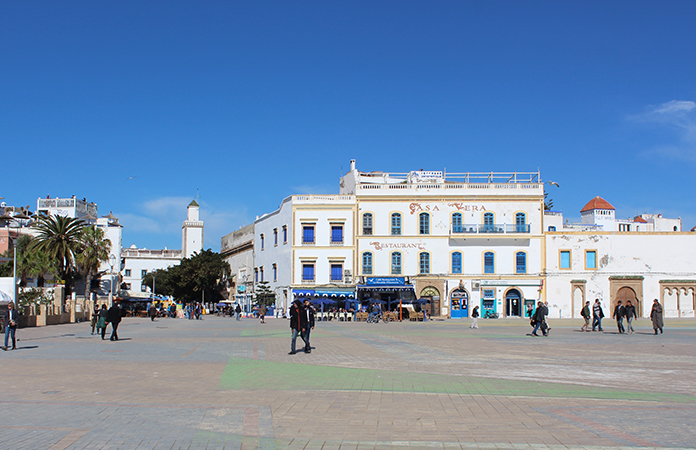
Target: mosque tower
192, 232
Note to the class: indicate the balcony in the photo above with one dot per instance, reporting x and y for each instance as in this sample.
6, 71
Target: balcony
497, 228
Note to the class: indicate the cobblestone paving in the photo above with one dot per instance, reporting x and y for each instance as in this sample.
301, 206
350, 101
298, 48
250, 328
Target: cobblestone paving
218, 383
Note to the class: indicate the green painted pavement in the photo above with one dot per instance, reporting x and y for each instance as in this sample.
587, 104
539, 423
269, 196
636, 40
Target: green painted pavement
250, 374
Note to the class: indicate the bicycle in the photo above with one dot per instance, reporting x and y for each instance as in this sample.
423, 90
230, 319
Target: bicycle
490, 315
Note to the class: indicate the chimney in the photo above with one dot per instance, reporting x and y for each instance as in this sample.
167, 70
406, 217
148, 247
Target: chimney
352, 164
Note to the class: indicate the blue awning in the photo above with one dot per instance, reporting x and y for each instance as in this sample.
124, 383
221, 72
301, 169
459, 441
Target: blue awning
386, 288
303, 292
335, 294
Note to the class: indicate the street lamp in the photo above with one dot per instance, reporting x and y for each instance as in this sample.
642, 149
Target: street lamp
112, 261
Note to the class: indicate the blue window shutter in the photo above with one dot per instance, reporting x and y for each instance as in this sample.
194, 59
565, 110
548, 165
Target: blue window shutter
521, 262
489, 262
456, 262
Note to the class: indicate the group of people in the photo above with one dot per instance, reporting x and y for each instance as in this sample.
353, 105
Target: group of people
621, 312
104, 316
301, 324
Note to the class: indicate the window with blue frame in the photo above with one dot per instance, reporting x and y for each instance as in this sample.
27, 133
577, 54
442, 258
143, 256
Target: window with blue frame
489, 262
521, 222
520, 262
396, 263
275, 272
456, 262
396, 224
456, 223
261, 274
285, 234
367, 223
336, 272
275, 236
263, 241
488, 222
424, 223
488, 300
256, 275
308, 234
565, 259
307, 272
367, 263
590, 259
424, 262
336, 234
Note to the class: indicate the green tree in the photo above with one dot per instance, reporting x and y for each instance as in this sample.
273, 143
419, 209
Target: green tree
32, 262
94, 250
60, 238
264, 294
199, 278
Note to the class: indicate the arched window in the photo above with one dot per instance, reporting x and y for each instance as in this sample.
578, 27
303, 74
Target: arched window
424, 223
520, 262
521, 222
367, 223
396, 263
396, 224
424, 262
456, 223
456, 262
489, 262
367, 263
488, 222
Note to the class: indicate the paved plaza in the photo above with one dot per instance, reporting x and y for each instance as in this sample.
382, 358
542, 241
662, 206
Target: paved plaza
218, 383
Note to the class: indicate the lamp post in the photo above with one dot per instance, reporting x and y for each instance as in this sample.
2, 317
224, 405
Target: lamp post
112, 261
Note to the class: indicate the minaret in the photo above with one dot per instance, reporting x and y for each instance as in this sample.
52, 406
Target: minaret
192, 232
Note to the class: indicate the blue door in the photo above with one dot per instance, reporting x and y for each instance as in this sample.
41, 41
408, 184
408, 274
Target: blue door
460, 303
487, 301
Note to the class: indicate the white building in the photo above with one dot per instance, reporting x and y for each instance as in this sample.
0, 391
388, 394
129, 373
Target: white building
137, 262
605, 258
460, 240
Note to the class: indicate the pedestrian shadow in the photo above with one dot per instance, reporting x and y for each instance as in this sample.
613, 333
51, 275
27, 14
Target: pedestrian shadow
27, 347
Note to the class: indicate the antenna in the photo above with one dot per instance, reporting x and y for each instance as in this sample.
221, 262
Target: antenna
198, 197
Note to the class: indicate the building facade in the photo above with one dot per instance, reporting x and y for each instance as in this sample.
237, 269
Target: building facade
454, 241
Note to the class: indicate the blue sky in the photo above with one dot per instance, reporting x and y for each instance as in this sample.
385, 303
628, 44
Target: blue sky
245, 103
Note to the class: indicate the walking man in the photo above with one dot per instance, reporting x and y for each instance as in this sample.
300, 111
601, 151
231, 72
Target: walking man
619, 312
298, 324
539, 320
114, 317
309, 313
474, 318
585, 313
10, 326
597, 315
237, 312
630, 315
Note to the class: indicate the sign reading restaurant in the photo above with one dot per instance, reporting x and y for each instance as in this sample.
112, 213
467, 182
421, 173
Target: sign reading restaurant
416, 207
397, 245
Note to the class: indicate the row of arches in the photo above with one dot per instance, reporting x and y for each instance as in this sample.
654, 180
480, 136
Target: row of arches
514, 302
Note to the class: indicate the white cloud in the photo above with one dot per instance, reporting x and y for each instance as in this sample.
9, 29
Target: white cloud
674, 107
676, 118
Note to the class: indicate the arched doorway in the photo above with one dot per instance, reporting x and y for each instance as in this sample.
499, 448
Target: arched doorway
431, 293
513, 303
459, 300
624, 295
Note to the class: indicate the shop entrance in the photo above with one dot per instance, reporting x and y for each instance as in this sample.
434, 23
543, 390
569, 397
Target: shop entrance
513, 303
460, 303
432, 294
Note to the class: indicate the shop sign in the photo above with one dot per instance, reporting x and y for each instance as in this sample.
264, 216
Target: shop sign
382, 281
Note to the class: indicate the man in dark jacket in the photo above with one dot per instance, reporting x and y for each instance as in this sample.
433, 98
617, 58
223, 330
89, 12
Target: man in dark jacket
309, 312
114, 317
539, 319
10, 319
619, 313
298, 323
630, 311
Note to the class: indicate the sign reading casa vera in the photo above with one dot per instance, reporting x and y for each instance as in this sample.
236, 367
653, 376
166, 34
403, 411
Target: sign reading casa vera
416, 207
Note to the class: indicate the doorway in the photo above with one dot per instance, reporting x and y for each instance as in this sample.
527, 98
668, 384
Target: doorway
513, 303
626, 294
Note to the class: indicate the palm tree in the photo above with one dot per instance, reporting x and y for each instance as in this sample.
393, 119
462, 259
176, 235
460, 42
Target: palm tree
59, 237
93, 251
